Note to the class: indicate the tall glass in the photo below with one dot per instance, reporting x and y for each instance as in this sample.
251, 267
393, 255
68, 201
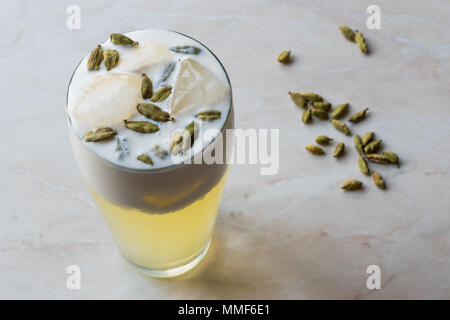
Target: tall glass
162, 219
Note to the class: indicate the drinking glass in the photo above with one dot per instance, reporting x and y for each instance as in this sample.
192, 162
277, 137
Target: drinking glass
161, 219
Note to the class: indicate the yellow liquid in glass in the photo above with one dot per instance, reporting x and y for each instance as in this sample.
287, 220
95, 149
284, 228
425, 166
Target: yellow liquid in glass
163, 241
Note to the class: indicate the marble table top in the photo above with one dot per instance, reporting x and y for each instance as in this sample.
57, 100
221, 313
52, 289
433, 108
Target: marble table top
293, 235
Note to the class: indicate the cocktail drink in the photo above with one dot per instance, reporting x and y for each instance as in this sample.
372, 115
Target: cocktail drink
139, 107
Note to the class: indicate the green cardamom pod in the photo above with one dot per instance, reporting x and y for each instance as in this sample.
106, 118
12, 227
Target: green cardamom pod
372, 147
391, 157
339, 151
145, 159
153, 112
340, 126
189, 136
339, 111
208, 115
185, 49
306, 116
363, 165
322, 105
358, 116
377, 158
314, 149
118, 146
161, 94
120, 39
319, 114
159, 152
367, 137
361, 42
352, 185
378, 180
111, 58
141, 126
347, 33
95, 58
146, 87
311, 97
358, 144
167, 72
175, 147
298, 99
100, 134
323, 140
284, 56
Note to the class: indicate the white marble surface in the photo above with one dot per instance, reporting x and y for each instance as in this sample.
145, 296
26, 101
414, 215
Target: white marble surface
293, 235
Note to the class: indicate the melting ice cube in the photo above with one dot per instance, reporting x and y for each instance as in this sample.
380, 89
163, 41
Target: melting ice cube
106, 99
195, 86
146, 54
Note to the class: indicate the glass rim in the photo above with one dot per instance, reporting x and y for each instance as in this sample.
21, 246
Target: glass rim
172, 166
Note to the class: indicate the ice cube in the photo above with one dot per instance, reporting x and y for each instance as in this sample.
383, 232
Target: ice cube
146, 54
195, 86
106, 99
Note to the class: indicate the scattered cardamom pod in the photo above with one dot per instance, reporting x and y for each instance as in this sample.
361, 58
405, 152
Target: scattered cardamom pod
339, 111
363, 165
367, 137
361, 42
175, 143
347, 33
358, 116
111, 58
340, 126
340, 150
377, 158
146, 87
311, 97
372, 147
208, 115
185, 49
323, 140
159, 152
378, 180
189, 135
351, 185
284, 56
358, 144
145, 159
322, 105
95, 58
161, 94
154, 112
314, 149
320, 114
141, 126
391, 157
306, 116
298, 99
167, 72
120, 39
100, 134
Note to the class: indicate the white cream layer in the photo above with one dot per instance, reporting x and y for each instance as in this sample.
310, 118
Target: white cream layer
106, 98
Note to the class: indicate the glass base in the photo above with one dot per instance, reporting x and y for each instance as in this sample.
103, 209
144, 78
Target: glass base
169, 273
